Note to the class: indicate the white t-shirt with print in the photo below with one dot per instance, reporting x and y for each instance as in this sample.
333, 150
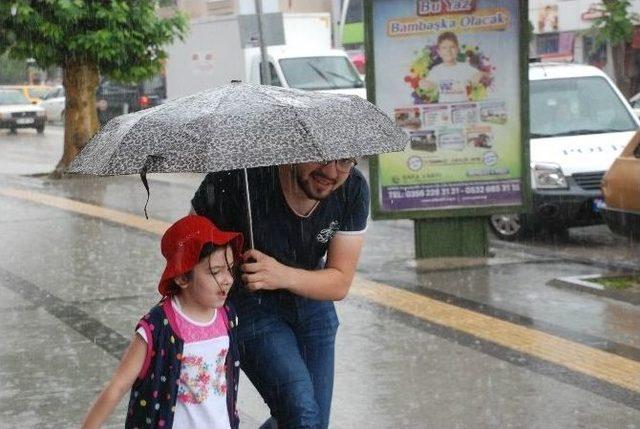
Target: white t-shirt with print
202, 387
452, 81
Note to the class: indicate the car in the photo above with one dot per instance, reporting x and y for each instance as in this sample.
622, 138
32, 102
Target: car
115, 98
34, 93
53, 103
579, 123
16, 111
621, 190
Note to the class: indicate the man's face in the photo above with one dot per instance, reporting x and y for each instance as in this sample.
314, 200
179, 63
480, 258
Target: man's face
448, 51
318, 181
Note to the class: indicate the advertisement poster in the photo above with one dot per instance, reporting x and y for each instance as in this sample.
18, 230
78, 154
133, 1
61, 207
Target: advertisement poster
448, 72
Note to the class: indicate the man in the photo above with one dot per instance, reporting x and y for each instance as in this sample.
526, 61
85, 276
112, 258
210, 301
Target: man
308, 225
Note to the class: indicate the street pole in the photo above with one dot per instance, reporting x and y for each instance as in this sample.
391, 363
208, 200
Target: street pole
264, 66
343, 18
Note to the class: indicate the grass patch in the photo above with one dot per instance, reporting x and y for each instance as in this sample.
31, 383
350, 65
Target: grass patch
618, 282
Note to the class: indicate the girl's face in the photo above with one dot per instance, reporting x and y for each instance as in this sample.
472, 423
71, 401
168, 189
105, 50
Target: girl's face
212, 278
448, 51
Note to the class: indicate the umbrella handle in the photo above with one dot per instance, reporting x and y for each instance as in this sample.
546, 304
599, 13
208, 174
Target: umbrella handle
143, 177
249, 218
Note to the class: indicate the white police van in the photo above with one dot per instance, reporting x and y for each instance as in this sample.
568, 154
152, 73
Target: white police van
579, 123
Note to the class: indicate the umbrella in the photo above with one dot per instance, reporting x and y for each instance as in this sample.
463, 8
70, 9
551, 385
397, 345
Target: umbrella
239, 126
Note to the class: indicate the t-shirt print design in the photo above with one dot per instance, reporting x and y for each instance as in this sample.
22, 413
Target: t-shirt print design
196, 376
327, 234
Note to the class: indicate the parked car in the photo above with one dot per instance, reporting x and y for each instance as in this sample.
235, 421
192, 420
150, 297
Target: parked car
16, 111
115, 98
53, 103
34, 93
579, 123
621, 189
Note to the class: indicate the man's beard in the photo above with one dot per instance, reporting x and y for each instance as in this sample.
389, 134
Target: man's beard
307, 186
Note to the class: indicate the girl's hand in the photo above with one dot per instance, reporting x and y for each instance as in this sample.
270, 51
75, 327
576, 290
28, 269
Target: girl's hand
262, 272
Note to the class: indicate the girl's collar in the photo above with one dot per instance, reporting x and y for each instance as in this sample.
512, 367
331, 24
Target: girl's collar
178, 309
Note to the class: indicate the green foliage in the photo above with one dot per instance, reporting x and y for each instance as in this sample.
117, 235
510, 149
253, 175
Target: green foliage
619, 283
125, 39
615, 26
12, 71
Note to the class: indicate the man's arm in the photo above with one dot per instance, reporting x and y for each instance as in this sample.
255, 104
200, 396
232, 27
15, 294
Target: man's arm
329, 284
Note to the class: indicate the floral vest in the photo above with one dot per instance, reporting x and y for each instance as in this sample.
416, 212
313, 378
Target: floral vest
153, 395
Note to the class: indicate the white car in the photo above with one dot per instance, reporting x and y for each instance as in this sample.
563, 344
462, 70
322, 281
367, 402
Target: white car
16, 111
53, 104
579, 123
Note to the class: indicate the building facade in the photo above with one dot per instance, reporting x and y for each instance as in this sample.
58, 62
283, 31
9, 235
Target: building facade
563, 31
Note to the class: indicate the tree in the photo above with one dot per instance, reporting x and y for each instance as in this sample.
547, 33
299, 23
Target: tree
12, 71
615, 27
122, 39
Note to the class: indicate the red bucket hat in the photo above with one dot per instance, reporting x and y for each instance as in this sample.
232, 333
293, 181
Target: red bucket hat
182, 243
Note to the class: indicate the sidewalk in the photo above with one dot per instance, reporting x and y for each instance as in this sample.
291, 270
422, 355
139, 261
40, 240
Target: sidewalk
405, 359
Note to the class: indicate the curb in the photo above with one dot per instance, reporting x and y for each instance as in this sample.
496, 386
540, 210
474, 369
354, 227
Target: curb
582, 284
624, 267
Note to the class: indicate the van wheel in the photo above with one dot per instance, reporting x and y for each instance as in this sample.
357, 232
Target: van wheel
508, 227
40, 129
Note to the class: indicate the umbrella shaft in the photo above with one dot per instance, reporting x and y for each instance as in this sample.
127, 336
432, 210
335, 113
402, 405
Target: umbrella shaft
249, 218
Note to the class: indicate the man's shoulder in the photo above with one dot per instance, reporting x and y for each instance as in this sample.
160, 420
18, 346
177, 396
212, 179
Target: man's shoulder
355, 186
358, 178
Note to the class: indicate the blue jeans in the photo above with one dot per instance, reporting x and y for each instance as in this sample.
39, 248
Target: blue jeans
287, 348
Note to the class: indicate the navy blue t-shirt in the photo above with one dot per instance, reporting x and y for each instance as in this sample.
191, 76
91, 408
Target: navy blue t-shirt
299, 242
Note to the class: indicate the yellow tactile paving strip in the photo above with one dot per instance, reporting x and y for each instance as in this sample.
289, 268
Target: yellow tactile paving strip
139, 222
577, 357
596, 363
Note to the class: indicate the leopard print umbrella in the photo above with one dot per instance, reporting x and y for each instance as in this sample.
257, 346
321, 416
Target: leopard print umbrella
239, 126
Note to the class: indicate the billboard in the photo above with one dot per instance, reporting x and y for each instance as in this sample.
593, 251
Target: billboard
449, 73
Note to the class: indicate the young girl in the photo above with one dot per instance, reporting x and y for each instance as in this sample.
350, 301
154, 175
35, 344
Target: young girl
182, 363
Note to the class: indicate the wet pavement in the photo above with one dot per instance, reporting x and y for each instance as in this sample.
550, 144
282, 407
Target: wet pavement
483, 347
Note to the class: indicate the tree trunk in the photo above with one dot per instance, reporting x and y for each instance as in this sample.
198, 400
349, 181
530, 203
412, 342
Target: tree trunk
618, 54
80, 80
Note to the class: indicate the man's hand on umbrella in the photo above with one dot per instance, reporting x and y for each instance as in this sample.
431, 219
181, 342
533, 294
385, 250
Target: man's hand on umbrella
261, 271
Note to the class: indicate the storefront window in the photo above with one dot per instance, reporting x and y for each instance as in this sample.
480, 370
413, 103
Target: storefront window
547, 43
594, 54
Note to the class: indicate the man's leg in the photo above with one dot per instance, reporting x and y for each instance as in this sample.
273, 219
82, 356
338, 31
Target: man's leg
316, 334
270, 357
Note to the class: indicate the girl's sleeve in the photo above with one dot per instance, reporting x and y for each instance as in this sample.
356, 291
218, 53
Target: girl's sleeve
143, 329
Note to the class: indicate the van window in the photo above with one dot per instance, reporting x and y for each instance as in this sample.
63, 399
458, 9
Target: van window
109, 87
319, 73
581, 105
11, 96
38, 92
155, 85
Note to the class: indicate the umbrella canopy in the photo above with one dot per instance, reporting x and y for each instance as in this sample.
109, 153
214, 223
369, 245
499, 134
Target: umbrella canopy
239, 126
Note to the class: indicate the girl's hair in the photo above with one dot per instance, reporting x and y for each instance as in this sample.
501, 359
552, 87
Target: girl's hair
207, 250
448, 35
